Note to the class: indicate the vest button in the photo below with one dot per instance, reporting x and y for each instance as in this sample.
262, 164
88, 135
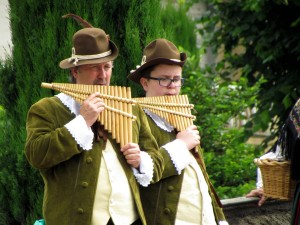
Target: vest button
84, 184
89, 160
167, 211
170, 188
80, 210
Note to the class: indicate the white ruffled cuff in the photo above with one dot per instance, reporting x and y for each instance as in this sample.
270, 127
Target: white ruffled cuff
82, 133
179, 154
145, 173
223, 223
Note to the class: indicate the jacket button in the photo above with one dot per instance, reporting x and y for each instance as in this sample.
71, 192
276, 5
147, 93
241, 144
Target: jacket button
170, 188
80, 210
89, 160
167, 211
84, 184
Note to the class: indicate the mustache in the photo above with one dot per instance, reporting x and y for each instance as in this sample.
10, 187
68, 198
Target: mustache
100, 82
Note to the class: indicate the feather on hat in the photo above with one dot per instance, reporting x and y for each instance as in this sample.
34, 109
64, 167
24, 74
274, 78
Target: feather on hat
90, 46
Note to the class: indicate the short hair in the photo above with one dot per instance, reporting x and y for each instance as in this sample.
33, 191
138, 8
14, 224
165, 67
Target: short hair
147, 72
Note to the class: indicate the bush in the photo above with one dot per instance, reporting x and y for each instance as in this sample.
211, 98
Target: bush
228, 158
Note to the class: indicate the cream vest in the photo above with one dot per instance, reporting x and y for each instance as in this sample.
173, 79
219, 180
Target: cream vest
113, 195
195, 205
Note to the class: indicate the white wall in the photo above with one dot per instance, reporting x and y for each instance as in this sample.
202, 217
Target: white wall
5, 34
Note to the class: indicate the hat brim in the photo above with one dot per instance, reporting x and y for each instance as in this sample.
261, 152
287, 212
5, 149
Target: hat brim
65, 64
135, 75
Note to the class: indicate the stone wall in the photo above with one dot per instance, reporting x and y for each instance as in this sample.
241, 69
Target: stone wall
244, 211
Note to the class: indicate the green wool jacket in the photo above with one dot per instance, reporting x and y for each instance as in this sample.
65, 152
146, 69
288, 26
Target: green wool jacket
70, 173
160, 200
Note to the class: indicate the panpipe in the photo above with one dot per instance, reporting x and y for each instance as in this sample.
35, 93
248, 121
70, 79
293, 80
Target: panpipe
173, 108
117, 117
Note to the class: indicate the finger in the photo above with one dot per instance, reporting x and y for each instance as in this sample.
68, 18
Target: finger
250, 195
132, 157
192, 127
128, 146
262, 200
131, 152
131, 145
97, 100
92, 96
135, 152
194, 132
189, 130
99, 105
133, 163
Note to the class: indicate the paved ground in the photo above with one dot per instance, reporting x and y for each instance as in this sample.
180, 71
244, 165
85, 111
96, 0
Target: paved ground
271, 213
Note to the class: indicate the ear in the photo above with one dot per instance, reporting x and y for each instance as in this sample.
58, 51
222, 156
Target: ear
144, 83
74, 72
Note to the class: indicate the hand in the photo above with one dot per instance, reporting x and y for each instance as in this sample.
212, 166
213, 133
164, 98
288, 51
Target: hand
259, 192
132, 154
91, 108
190, 137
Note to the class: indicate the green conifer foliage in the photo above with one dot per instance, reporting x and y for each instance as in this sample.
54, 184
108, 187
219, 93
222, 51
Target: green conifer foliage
41, 39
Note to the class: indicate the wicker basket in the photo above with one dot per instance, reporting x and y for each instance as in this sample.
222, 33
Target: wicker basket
277, 182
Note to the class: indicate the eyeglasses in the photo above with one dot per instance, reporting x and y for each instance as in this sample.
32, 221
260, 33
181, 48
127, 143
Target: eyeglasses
166, 82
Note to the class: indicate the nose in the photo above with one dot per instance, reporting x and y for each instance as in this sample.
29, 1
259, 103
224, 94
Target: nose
172, 84
101, 72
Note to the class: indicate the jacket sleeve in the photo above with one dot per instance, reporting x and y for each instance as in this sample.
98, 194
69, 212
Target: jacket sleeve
162, 163
48, 141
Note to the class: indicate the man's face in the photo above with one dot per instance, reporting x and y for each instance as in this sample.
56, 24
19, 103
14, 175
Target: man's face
99, 74
153, 87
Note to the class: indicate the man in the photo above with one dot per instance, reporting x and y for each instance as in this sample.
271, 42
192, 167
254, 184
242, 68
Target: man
88, 179
187, 198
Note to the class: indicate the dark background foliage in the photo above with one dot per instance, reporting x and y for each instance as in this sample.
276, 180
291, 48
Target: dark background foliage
268, 31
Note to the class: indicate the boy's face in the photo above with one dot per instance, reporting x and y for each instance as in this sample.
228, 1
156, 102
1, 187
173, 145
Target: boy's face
153, 87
